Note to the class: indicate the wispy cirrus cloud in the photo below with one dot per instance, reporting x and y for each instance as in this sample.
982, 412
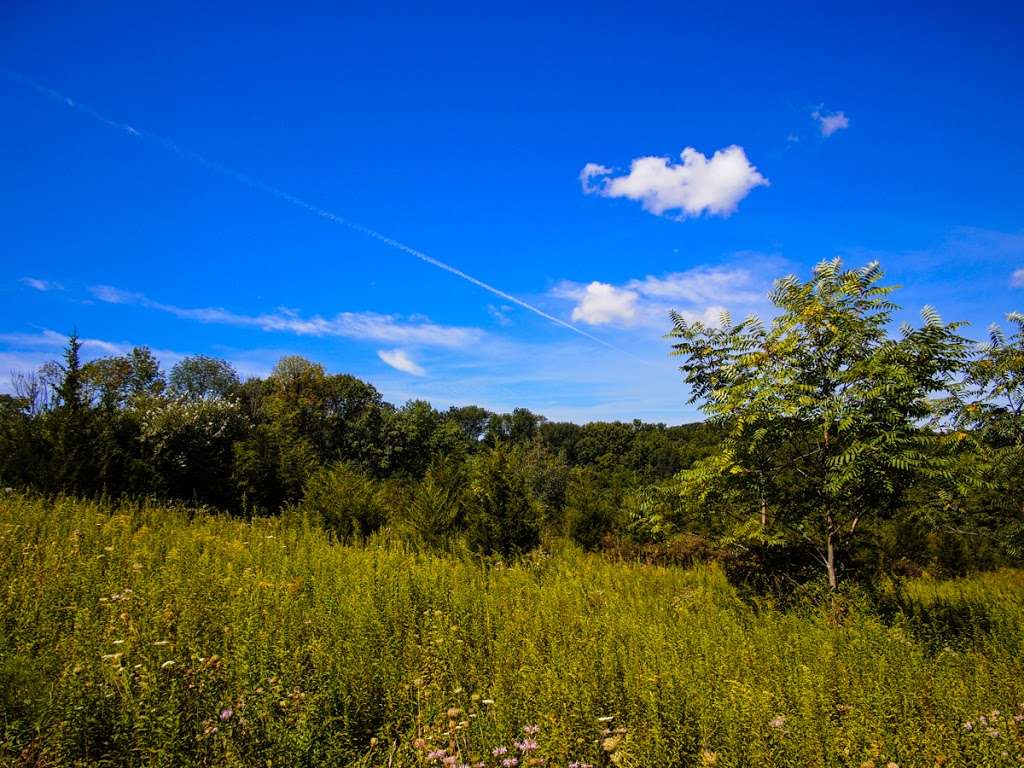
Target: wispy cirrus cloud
39, 284
49, 339
830, 122
363, 326
698, 185
399, 360
24, 352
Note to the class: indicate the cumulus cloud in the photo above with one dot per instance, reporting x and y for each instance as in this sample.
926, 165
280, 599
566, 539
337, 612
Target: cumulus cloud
830, 122
364, 326
399, 359
697, 294
693, 187
41, 285
600, 303
1017, 278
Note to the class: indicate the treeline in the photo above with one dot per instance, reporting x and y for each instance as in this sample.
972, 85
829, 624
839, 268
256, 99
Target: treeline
328, 445
832, 446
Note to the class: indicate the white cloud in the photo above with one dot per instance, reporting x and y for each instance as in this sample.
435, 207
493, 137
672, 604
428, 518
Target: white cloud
1017, 278
47, 339
500, 314
590, 171
601, 303
400, 360
697, 294
701, 285
41, 285
830, 123
364, 326
695, 186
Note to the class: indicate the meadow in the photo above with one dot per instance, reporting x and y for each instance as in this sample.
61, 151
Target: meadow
155, 635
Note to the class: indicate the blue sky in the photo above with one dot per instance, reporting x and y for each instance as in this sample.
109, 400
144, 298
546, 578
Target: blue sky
463, 132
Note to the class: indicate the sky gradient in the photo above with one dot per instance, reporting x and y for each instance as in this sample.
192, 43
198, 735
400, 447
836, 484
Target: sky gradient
599, 164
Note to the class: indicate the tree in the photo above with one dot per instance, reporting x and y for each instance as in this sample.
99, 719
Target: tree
985, 421
824, 409
70, 422
435, 511
345, 501
501, 516
199, 377
592, 509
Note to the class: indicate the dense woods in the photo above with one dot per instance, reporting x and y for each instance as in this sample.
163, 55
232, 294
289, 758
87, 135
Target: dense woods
832, 448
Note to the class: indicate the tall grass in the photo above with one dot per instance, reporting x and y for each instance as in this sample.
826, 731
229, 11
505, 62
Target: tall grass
144, 636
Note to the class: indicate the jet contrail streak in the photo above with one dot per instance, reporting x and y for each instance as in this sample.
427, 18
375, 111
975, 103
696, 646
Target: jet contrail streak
300, 203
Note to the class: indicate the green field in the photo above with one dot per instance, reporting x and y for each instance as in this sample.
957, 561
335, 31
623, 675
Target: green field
152, 636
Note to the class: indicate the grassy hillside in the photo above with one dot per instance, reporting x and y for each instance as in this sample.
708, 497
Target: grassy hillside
148, 637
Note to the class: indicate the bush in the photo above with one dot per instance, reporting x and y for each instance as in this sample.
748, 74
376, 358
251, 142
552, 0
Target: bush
344, 501
502, 518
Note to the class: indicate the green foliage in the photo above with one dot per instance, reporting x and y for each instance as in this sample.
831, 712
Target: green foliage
501, 516
824, 408
344, 501
592, 509
435, 513
189, 445
200, 377
154, 636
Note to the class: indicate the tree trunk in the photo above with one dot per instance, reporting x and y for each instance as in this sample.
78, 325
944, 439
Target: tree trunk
830, 553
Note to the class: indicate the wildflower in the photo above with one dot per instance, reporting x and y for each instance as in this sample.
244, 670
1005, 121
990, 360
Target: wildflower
777, 722
526, 745
1018, 718
969, 726
419, 743
993, 733
226, 713
611, 743
436, 755
531, 730
499, 751
510, 762
450, 760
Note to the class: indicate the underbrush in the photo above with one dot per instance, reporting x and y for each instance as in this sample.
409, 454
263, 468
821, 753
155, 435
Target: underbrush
149, 635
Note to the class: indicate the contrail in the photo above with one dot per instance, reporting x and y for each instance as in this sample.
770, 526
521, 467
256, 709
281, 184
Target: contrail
263, 186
